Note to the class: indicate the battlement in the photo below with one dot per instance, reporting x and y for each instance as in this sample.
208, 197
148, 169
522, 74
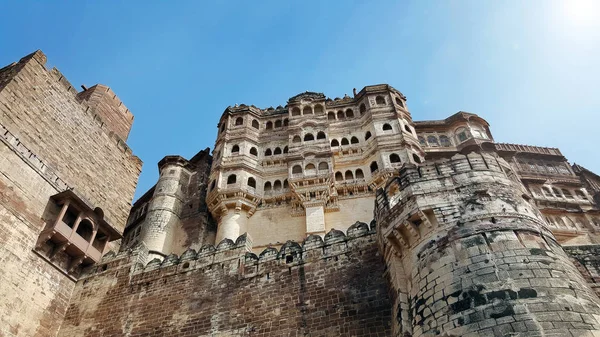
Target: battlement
237, 257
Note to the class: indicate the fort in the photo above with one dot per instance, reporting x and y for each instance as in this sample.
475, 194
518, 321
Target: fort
320, 217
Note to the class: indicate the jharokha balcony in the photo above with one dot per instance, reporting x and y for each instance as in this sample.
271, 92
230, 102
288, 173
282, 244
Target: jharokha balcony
80, 232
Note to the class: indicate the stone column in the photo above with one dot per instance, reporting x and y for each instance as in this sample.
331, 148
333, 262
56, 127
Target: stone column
164, 209
233, 224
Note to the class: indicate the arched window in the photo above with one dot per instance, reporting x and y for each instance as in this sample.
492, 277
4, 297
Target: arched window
433, 141
379, 100
286, 122
567, 193
252, 182
331, 115
417, 159
278, 123
349, 113
309, 137
269, 125
374, 167
286, 184
285, 149
334, 142
277, 185
231, 179
353, 140
580, 194
309, 166
387, 127
367, 135
85, 229
422, 141
253, 151
362, 108
340, 114
339, 176
239, 121
323, 166
461, 135
399, 102
297, 169
345, 141
394, 158
296, 139
359, 174
307, 110
556, 192
321, 135
268, 186
277, 151
255, 124
212, 185
235, 149
318, 109
296, 111
445, 141
268, 152
348, 175
407, 128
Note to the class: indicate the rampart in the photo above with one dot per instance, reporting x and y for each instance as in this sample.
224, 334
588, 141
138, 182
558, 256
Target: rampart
330, 287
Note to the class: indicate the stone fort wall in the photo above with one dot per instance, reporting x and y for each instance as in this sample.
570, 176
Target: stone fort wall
330, 287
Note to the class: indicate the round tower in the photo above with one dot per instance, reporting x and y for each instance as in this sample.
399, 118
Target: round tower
164, 209
467, 253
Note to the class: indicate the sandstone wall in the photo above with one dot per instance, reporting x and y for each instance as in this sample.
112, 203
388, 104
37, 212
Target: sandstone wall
323, 288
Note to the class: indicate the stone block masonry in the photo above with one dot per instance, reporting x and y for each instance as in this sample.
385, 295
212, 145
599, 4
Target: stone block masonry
330, 287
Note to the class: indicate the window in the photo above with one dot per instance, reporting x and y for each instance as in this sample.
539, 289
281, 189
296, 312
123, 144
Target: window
349, 113
353, 140
297, 169
461, 135
567, 193
321, 135
252, 182
580, 194
340, 114
348, 175
417, 159
345, 141
334, 142
268, 152
379, 100
445, 141
309, 167
308, 137
331, 115
285, 149
269, 125
231, 179
277, 185
296, 111
85, 229
318, 109
255, 123
253, 151
433, 141
296, 139
339, 176
277, 151
367, 135
323, 166
556, 192
374, 167
286, 122
394, 158
362, 109
239, 121
547, 191
399, 102
422, 141
387, 127
268, 186
278, 123
407, 128
286, 184
359, 174
307, 110
235, 149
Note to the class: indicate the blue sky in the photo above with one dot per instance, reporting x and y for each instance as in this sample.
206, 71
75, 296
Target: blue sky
530, 68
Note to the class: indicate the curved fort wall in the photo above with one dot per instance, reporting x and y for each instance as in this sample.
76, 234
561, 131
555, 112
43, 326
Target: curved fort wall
468, 254
324, 287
